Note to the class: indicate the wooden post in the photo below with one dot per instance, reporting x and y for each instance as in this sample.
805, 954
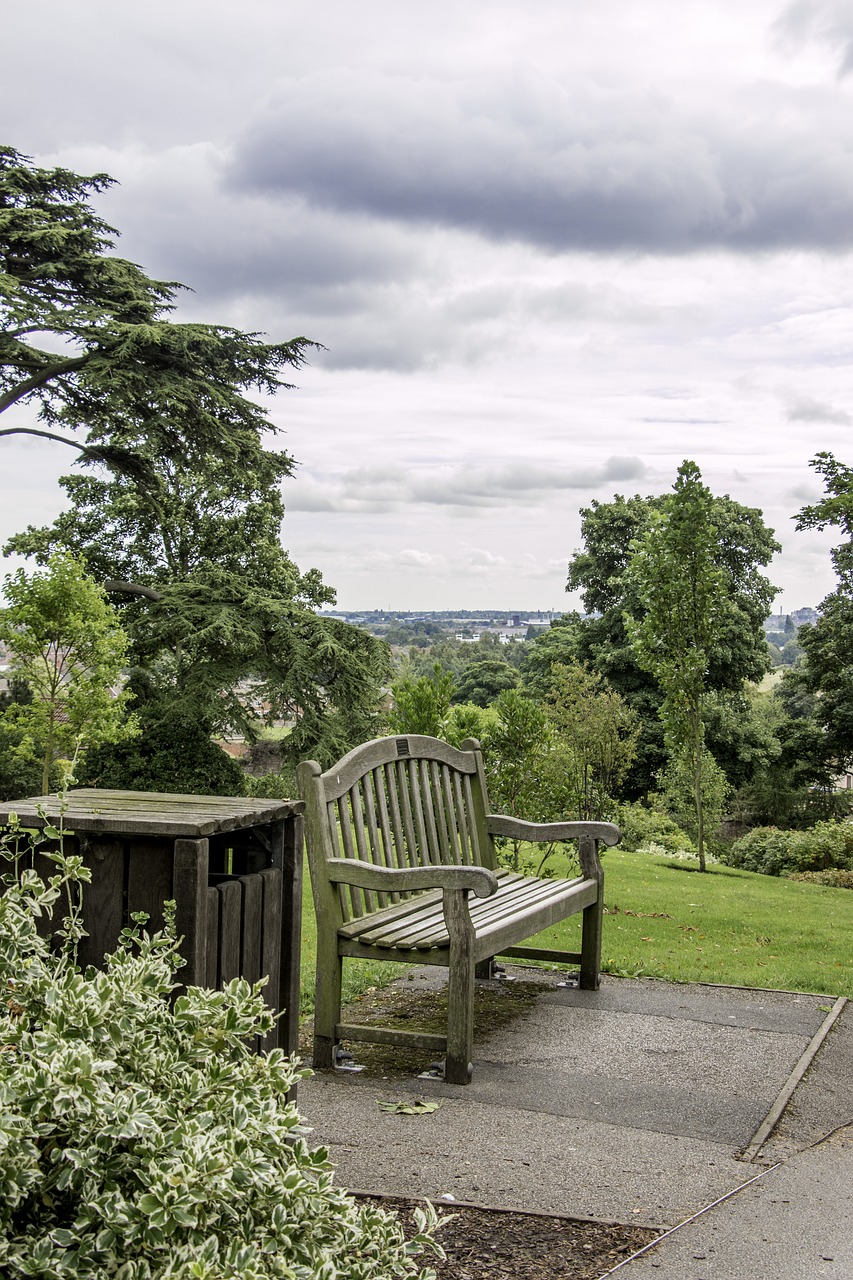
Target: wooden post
286, 840
458, 1066
189, 889
593, 916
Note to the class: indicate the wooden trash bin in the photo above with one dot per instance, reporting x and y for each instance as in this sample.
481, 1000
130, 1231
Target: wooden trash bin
232, 864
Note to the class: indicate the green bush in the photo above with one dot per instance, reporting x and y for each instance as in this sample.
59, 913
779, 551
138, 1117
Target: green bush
774, 852
143, 1141
834, 878
173, 752
642, 826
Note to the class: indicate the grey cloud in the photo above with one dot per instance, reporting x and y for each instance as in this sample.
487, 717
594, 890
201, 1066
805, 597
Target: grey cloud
459, 488
828, 22
804, 409
561, 165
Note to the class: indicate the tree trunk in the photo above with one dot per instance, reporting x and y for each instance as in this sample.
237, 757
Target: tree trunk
697, 793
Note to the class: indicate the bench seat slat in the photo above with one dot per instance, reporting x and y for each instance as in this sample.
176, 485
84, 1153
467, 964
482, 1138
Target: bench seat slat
424, 904
423, 926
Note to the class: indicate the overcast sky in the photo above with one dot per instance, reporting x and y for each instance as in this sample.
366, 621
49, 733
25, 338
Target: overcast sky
551, 250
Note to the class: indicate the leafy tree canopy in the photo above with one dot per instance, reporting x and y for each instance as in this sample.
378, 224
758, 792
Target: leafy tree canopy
600, 570
481, 682
185, 531
826, 675
125, 375
68, 648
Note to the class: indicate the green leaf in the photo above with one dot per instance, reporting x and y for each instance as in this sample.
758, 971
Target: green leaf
418, 1108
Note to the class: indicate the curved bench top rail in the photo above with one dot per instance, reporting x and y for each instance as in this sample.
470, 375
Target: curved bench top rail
381, 751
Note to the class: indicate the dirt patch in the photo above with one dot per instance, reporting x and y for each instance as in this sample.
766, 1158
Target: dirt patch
490, 1244
404, 1007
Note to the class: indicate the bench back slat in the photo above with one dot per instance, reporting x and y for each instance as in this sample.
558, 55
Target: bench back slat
401, 802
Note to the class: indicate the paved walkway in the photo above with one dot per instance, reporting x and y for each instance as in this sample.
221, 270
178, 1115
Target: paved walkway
631, 1104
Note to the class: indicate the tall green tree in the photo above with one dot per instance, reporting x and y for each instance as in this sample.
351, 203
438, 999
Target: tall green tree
682, 592
825, 677
598, 732
481, 682
600, 570
185, 528
89, 354
69, 649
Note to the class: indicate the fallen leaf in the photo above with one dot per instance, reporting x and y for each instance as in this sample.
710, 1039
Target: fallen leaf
418, 1108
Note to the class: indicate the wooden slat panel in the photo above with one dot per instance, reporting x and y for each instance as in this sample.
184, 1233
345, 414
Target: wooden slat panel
476, 851
421, 845
355, 906
385, 838
271, 880
410, 857
507, 934
149, 878
103, 899
409, 905
433, 846
394, 916
512, 903
212, 980
189, 889
230, 899
150, 813
442, 817
462, 818
398, 835
456, 855
250, 928
287, 856
362, 844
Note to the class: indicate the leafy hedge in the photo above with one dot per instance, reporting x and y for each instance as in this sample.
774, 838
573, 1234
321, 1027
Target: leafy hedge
774, 852
144, 1141
641, 827
834, 878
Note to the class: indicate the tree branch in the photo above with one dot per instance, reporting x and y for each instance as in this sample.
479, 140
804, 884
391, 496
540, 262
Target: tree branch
132, 589
47, 435
39, 379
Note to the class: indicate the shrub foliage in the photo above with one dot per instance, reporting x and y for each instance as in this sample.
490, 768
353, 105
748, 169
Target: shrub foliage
144, 1140
774, 852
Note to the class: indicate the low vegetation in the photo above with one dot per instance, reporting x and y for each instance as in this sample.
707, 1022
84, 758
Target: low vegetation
146, 1140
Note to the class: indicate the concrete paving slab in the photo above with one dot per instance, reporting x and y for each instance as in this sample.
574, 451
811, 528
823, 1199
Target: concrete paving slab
507, 1158
795, 1223
792, 1013
627, 1104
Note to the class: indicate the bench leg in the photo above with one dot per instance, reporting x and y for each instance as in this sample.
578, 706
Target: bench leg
591, 945
460, 989
327, 1002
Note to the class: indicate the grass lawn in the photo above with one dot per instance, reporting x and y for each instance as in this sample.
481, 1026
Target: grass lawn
666, 920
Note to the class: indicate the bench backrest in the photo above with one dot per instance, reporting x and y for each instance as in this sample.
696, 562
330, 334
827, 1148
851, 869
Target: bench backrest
406, 801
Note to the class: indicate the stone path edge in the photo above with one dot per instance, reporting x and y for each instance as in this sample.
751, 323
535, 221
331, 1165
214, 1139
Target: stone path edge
653, 1244
750, 1153
437, 1202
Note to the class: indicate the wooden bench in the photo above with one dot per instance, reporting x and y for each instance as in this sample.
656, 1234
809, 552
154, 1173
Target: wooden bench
399, 834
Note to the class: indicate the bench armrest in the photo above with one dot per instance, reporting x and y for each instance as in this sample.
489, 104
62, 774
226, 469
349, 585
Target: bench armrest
399, 880
537, 832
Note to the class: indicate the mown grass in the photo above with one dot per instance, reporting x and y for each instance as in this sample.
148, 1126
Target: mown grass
666, 920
